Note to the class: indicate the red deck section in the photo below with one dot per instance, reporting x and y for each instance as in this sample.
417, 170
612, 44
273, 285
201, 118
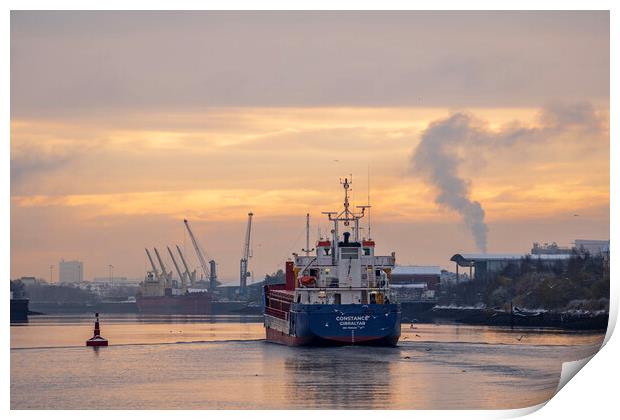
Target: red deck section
290, 275
278, 300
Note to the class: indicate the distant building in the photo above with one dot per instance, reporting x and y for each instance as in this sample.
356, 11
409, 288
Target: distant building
70, 271
415, 282
28, 281
592, 246
549, 249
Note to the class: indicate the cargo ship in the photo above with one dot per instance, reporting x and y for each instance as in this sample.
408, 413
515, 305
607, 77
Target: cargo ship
338, 296
186, 304
154, 297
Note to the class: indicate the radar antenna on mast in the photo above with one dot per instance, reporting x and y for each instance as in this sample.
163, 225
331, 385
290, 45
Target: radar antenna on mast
346, 216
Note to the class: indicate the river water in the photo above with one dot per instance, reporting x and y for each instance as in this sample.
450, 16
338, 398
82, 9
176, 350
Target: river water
184, 362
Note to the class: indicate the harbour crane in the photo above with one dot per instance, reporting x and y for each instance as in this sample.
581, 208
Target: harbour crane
176, 266
199, 254
167, 275
192, 275
244, 263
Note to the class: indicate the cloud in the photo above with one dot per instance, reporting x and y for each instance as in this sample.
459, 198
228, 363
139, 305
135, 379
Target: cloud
31, 165
72, 63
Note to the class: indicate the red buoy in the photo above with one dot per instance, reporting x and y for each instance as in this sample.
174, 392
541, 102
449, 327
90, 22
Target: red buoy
96, 340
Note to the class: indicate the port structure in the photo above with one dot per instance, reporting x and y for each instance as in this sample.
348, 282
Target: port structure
244, 262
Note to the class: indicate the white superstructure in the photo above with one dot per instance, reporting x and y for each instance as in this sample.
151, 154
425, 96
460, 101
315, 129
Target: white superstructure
344, 269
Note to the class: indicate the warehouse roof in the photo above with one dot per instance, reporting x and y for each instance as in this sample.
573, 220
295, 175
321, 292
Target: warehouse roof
409, 270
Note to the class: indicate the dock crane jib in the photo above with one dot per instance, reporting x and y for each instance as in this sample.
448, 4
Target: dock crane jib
199, 254
192, 275
176, 266
167, 275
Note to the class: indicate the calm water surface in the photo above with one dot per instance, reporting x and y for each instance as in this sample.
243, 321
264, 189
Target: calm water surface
224, 363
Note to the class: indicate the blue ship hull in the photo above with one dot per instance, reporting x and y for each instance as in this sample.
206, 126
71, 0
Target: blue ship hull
372, 324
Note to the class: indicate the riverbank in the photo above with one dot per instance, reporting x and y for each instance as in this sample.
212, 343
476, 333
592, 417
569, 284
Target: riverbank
569, 320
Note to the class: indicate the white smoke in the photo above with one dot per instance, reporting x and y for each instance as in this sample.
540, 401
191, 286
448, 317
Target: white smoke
437, 158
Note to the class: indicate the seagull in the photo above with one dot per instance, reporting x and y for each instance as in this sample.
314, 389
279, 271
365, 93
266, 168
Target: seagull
428, 349
521, 338
407, 357
418, 335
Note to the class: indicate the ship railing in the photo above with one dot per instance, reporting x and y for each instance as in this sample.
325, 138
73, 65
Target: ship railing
340, 289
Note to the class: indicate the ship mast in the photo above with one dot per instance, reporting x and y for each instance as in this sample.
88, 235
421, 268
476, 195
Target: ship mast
307, 249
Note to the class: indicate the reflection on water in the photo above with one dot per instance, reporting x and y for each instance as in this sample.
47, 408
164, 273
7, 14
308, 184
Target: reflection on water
352, 377
223, 362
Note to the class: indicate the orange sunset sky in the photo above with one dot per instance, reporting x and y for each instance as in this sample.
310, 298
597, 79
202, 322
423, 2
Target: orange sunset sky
124, 123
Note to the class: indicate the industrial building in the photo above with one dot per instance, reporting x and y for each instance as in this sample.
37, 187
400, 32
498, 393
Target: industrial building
70, 271
480, 266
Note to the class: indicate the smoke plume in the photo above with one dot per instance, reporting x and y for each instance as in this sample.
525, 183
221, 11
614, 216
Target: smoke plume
437, 158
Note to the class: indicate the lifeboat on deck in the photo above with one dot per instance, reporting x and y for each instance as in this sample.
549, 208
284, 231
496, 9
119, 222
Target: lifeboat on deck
307, 281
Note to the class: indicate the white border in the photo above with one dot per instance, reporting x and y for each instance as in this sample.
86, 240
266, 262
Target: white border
592, 395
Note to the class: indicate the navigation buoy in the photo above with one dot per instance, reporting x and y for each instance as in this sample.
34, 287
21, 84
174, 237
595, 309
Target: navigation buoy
97, 340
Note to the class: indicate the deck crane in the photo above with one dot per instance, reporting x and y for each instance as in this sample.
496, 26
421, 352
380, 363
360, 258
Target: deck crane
167, 275
201, 257
176, 266
243, 264
192, 275
155, 271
